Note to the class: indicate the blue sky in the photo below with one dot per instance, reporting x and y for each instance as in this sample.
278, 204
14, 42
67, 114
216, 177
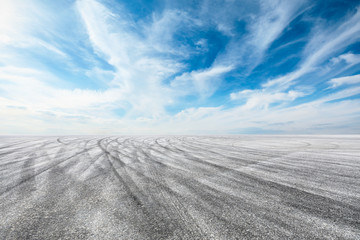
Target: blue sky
179, 67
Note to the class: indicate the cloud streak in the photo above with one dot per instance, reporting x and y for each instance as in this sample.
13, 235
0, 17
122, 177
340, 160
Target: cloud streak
276, 66
348, 80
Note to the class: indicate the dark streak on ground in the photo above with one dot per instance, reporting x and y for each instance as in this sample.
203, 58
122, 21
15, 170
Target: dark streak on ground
243, 187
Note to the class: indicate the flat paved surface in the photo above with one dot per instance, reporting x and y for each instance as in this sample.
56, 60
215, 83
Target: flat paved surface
188, 187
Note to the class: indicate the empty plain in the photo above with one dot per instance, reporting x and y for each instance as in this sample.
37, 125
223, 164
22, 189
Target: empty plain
180, 187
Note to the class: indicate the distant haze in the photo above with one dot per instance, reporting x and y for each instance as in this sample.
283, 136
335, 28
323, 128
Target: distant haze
179, 67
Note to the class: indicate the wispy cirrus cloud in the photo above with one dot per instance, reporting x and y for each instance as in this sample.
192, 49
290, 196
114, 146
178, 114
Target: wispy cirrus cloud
263, 28
202, 82
324, 43
261, 98
350, 58
348, 80
275, 66
143, 60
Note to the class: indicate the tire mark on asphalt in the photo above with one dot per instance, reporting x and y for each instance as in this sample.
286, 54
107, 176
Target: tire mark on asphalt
54, 213
181, 181
24, 180
201, 146
284, 166
169, 199
133, 192
305, 201
28, 170
18, 143
207, 198
25, 148
161, 205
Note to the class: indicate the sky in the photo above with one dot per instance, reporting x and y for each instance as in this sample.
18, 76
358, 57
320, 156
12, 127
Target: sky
109, 67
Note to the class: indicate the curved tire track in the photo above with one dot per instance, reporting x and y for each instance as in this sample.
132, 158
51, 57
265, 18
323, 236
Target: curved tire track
181, 187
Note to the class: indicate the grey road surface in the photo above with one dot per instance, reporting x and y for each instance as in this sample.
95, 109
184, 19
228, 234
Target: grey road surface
180, 187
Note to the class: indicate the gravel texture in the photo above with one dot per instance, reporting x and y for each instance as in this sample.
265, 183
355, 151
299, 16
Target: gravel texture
180, 187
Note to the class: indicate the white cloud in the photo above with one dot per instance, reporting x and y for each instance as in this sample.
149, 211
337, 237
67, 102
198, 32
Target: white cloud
37, 91
323, 44
141, 67
138, 74
349, 58
145, 57
192, 114
351, 91
264, 28
160, 33
307, 118
204, 82
275, 16
348, 80
263, 98
138, 82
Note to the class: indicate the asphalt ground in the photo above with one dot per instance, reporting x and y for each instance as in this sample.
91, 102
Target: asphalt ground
180, 187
